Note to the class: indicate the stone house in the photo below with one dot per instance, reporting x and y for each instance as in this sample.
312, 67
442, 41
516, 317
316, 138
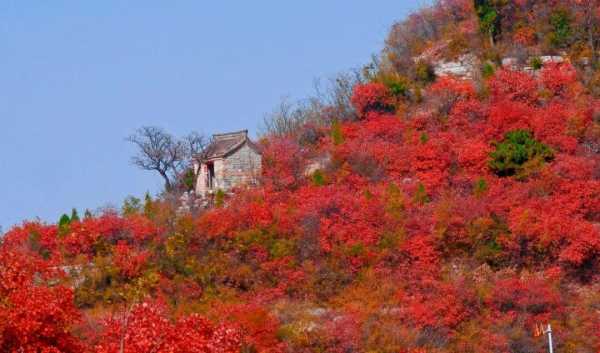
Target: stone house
230, 160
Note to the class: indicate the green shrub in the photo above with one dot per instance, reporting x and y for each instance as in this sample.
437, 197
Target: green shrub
318, 178
424, 72
219, 198
518, 154
281, 248
480, 187
421, 196
336, 133
536, 63
488, 70
356, 250
397, 84
398, 88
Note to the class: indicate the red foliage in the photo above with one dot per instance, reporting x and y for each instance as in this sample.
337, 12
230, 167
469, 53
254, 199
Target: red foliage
515, 86
34, 317
129, 261
146, 328
534, 298
452, 87
559, 78
257, 324
371, 97
435, 305
283, 163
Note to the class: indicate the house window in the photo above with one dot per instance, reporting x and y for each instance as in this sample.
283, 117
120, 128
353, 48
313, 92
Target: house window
210, 180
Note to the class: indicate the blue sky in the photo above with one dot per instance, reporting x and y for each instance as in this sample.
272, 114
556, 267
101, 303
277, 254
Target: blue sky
77, 77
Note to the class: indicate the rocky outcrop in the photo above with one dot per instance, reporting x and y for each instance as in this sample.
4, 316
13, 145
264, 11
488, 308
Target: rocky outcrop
464, 67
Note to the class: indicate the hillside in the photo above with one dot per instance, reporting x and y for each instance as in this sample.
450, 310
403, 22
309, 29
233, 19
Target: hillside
423, 213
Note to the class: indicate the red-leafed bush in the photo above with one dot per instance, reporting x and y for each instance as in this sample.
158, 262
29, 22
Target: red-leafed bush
559, 78
284, 162
515, 86
34, 317
372, 97
147, 328
129, 261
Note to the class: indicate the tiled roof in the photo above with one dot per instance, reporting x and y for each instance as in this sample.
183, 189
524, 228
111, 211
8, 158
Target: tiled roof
224, 144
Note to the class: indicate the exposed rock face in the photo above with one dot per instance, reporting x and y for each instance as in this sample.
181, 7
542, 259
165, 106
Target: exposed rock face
317, 163
514, 63
467, 66
464, 67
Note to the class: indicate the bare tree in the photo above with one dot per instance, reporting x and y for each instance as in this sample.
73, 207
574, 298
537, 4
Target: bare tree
195, 144
159, 151
330, 101
336, 92
286, 119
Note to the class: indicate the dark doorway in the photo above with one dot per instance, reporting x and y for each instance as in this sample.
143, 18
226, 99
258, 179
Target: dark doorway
211, 175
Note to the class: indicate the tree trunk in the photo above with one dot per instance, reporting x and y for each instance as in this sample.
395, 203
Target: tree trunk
168, 184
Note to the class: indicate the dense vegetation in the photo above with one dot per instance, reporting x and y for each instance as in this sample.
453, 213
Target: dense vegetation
445, 215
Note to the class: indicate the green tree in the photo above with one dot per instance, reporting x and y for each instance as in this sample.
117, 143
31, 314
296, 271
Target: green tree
149, 209
74, 215
189, 179
488, 12
63, 224
561, 23
131, 205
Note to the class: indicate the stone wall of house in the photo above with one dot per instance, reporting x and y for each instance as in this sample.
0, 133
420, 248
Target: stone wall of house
218, 182
240, 168
200, 170
202, 181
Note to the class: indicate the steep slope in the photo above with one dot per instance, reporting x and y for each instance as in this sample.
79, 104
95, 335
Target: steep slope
449, 215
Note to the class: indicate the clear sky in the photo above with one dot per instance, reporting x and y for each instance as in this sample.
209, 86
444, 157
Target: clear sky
77, 77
